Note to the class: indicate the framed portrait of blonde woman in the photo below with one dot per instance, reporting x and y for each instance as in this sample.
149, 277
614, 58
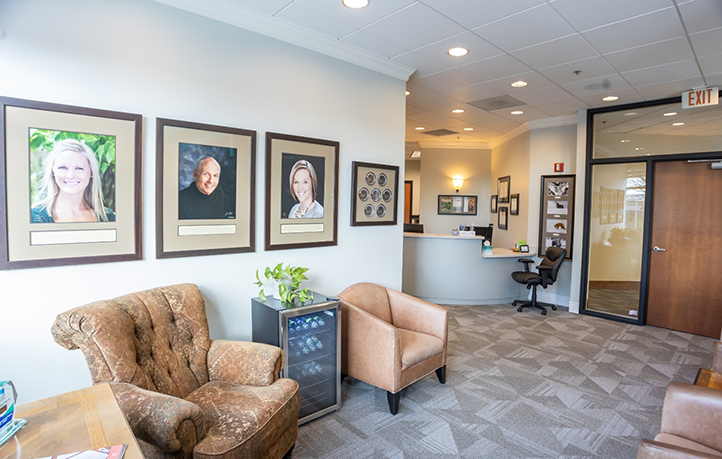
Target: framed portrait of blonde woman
74, 194
301, 192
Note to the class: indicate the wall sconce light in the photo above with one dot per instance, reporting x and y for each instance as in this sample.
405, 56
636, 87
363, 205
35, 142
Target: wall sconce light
458, 183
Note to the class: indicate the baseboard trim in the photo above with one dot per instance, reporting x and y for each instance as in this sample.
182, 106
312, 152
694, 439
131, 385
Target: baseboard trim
457, 302
553, 298
574, 307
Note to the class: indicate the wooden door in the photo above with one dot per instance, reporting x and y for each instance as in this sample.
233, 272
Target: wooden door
685, 288
408, 200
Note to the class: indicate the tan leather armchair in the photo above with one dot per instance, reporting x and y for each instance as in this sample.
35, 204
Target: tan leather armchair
390, 339
691, 425
183, 394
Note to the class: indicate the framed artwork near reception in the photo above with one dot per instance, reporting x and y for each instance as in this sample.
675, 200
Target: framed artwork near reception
556, 213
453, 204
75, 185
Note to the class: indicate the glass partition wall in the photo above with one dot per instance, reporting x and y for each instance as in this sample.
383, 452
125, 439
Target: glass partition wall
623, 145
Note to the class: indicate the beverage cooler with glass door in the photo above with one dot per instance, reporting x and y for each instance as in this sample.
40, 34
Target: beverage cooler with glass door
310, 336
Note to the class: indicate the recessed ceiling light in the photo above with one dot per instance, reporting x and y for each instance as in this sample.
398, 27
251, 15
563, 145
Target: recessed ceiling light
420, 128
407, 93
519, 84
416, 154
677, 124
639, 148
468, 129
649, 154
625, 141
630, 114
609, 98
517, 112
457, 110
458, 52
670, 114
355, 4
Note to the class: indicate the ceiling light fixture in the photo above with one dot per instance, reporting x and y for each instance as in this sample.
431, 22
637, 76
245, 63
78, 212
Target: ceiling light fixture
609, 98
639, 148
519, 84
420, 128
625, 141
416, 154
355, 4
458, 52
468, 129
407, 93
517, 112
677, 124
457, 110
670, 114
630, 114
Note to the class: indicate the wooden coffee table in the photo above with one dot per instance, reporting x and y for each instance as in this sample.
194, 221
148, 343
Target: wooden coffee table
708, 378
84, 419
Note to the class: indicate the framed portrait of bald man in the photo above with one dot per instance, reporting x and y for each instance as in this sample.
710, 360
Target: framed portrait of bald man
205, 195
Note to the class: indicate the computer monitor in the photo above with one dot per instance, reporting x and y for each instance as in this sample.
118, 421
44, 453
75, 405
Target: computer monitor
413, 228
484, 231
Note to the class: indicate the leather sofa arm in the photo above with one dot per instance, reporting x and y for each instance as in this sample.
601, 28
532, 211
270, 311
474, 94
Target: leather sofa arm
655, 450
171, 424
410, 313
717, 362
370, 348
694, 413
242, 362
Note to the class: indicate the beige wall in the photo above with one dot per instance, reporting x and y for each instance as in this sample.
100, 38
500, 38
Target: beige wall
512, 158
438, 166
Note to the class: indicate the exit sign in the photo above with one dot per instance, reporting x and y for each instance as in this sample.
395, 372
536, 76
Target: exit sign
700, 97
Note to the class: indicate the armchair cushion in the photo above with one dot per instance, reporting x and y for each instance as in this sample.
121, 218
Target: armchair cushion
417, 347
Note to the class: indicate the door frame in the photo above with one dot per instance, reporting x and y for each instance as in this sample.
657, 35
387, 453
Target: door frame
649, 206
411, 199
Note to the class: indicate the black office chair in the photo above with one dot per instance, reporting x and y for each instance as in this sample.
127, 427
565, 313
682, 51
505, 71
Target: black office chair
548, 270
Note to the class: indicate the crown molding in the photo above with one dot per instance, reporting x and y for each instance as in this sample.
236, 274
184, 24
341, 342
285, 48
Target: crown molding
519, 130
456, 145
245, 18
553, 122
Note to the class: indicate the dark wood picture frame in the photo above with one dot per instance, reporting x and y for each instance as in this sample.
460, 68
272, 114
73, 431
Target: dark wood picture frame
494, 203
445, 204
514, 204
503, 188
176, 237
371, 204
294, 233
556, 213
39, 244
503, 222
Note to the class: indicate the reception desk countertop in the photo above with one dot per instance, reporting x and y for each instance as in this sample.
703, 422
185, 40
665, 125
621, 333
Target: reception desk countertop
442, 236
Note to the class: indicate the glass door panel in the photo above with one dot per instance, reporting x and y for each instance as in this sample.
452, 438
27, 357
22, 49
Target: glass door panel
615, 239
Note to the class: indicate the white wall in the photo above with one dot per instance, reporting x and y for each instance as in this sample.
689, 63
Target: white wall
438, 166
144, 57
512, 158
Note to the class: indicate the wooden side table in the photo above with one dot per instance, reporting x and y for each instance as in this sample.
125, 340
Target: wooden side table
84, 419
708, 378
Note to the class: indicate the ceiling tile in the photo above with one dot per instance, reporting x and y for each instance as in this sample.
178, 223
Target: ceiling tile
588, 14
626, 96
334, 11
562, 107
711, 64
429, 117
530, 113
478, 49
533, 79
434, 101
494, 68
539, 96
413, 27
270, 7
416, 92
668, 89
372, 44
642, 30
423, 66
472, 14
530, 27
560, 51
714, 80
706, 43
606, 85
662, 73
590, 68
474, 92
448, 79
492, 121
663, 52
322, 21
411, 109
701, 15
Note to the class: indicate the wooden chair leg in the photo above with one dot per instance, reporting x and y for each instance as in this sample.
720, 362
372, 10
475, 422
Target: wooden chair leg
441, 374
393, 400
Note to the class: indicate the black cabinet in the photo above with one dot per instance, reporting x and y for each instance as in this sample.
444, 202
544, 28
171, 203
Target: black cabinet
310, 336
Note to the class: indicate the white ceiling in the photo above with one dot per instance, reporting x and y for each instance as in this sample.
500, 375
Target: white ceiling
636, 50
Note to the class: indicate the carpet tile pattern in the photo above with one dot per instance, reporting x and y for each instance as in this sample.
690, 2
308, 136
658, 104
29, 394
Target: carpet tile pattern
519, 385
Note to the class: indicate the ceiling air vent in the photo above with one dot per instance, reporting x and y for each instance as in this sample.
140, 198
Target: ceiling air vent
497, 103
440, 132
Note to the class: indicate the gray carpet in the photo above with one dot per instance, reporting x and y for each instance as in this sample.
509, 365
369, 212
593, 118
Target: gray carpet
519, 385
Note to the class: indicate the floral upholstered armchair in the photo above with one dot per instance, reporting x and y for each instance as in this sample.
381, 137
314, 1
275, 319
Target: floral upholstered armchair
183, 394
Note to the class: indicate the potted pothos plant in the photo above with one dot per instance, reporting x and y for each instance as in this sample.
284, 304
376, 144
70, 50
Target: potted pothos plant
286, 283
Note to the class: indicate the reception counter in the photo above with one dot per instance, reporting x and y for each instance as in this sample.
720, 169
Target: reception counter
446, 269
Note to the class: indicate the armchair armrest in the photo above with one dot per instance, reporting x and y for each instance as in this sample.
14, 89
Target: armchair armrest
169, 423
417, 315
694, 413
370, 348
526, 262
717, 362
545, 272
242, 362
649, 449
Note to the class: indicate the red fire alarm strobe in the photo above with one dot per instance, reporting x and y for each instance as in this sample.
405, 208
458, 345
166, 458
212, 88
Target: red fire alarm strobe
558, 167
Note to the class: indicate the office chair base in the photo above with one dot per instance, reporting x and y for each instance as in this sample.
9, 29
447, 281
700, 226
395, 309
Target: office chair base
535, 304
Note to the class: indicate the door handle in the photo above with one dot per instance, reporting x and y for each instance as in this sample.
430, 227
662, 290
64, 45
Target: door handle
657, 249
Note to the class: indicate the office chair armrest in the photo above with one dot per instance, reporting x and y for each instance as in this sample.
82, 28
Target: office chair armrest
545, 272
526, 262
